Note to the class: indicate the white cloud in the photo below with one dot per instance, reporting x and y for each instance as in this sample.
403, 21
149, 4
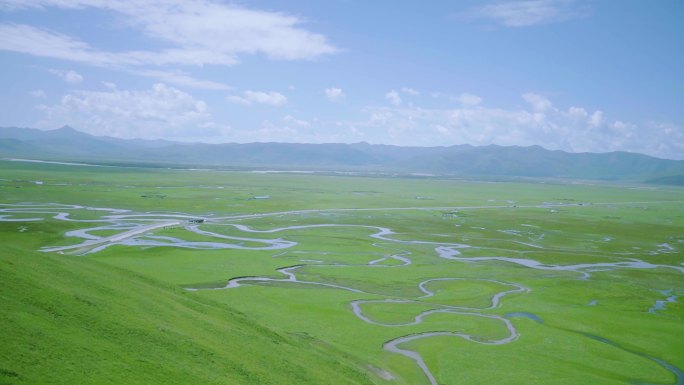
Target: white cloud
573, 129
334, 94
469, 99
109, 85
196, 32
620, 125
34, 41
159, 112
180, 78
393, 97
38, 93
380, 117
596, 119
11, 5
297, 122
577, 112
527, 13
73, 77
69, 76
665, 138
538, 102
259, 97
410, 91
464, 98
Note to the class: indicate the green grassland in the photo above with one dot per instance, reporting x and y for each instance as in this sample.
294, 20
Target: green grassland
122, 314
69, 320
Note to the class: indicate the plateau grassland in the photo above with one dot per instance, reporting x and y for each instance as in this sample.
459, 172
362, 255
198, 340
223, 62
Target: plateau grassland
160, 276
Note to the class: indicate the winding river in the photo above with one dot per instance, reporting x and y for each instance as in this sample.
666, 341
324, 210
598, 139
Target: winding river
137, 229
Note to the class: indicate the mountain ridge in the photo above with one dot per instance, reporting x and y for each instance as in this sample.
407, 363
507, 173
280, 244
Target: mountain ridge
67, 143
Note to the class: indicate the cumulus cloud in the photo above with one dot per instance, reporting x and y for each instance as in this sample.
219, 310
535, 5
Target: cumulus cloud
259, 97
393, 97
528, 13
538, 102
596, 119
159, 112
38, 93
577, 112
334, 94
69, 76
573, 129
196, 32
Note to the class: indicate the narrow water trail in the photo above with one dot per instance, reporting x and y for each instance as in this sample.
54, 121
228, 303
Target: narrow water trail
138, 230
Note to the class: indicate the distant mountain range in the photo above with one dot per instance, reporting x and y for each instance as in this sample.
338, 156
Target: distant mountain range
68, 144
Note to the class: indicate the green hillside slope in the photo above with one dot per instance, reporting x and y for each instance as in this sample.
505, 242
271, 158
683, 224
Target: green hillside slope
70, 320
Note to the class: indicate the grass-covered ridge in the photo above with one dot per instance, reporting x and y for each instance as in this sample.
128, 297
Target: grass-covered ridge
70, 320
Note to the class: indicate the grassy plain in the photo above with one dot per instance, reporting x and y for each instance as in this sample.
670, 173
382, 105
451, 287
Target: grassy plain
121, 314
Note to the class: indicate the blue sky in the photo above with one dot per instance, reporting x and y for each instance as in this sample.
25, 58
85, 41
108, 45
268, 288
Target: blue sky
574, 75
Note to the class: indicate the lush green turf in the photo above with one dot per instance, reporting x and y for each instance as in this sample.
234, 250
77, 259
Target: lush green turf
120, 315
70, 320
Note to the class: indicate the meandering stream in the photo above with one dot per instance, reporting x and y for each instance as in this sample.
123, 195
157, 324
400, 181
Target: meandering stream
136, 229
